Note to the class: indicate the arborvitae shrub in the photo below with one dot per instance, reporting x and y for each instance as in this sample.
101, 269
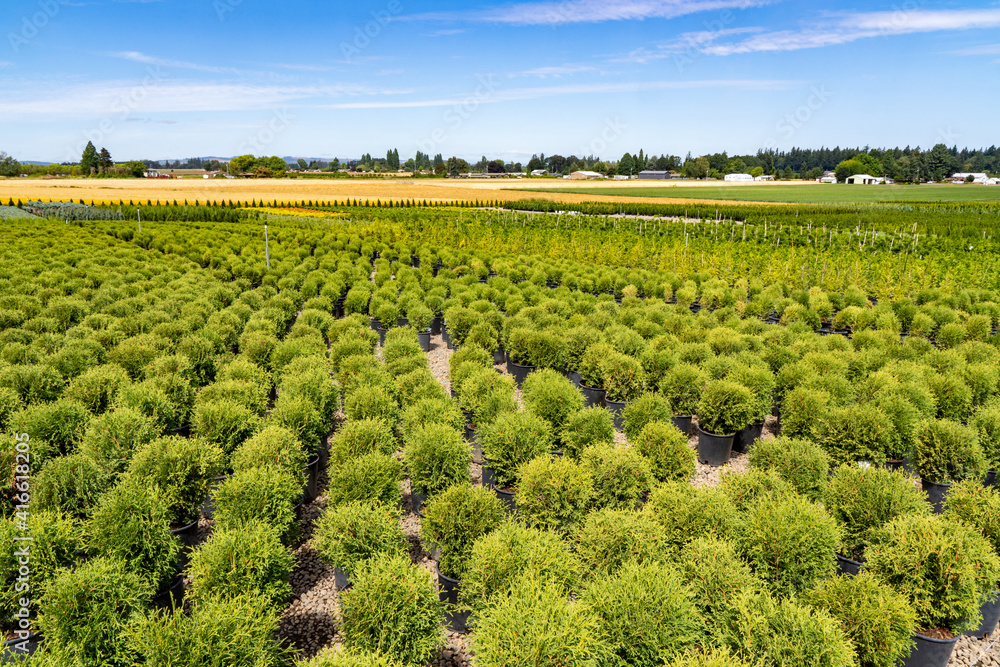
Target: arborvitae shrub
181, 470
511, 441
945, 570
788, 541
300, 416
348, 535
58, 426
511, 551
804, 465
862, 500
10, 403
71, 484
149, 400
716, 658
85, 612
132, 523
745, 489
620, 476
537, 625
436, 456
611, 538
686, 513
372, 403
725, 407
113, 438
272, 445
878, 621
953, 395
682, 387
645, 614
331, 657
948, 452
667, 451
359, 437
224, 423
267, 495
854, 433
453, 521
248, 559
800, 409
97, 388
549, 395
649, 408
976, 506
430, 411
554, 493
393, 608
583, 428
372, 477
716, 574
783, 633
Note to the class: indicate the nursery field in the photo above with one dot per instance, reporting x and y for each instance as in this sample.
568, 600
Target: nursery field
395, 435
803, 193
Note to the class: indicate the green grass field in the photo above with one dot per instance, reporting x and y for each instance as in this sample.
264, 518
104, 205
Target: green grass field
806, 194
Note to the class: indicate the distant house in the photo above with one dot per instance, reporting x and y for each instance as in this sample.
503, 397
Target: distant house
828, 179
764, 177
992, 181
864, 179
622, 177
585, 175
152, 173
650, 175
738, 178
978, 178
540, 172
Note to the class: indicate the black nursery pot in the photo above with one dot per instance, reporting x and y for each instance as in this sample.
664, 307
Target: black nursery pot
617, 410
417, 500
436, 326
18, 649
930, 652
448, 588
848, 567
310, 491
341, 579
714, 449
519, 371
187, 535
900, 464
498, 356
683, 423
745, 438
424, 338
592, 396
991, 617
381, 335
936, 493
171, 596
991, 478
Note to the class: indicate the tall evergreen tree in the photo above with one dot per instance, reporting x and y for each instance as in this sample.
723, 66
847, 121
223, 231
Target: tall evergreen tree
89, 160
104, 161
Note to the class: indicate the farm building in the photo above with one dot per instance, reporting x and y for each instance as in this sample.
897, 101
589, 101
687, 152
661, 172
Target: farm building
977, 177
738, 178
828, 179
992, 181
649, 175
585, 175
540, 172
765, 177
864, 179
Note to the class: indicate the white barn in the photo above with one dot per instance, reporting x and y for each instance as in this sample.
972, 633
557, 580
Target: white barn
977, 177
864, 179
585, 175
738, 178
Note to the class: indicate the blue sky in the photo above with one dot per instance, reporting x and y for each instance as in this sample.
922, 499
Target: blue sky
177, 78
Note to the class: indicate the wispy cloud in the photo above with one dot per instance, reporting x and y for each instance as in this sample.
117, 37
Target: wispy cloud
586, 11
852, 27
520, 94
557, 71
137, 57
985, 50
686, 43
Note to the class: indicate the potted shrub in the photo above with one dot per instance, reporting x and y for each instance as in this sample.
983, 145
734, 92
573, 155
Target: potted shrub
946, 452
717, 576
421, 317
586, 427
978, 507
132, 523
224, 423
621, 476
359, 437
84, 613
877, 620
944, 569
554, 493
861, 501
371, 402
624, 381
276, 445
508, 443
549, 395
987, 424
686, 513
429, 410
724, 408
436, 457
113, 438
454, 519
682, 386
372, 477
645, 614
511, 551
71, 484
592, 373
803, 464
760, 381
338, 657
237, 630
247, 560
181, 470
647, 409
610, 538
536, 625
346, 536
763, 629
667, 452
788, 541
268, 495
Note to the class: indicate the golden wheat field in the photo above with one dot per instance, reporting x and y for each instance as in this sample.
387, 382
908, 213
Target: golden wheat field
301, 190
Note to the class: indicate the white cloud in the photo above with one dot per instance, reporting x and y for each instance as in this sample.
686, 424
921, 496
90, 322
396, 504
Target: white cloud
521, 94
587, 11
852, 27
689, 43
137, 57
